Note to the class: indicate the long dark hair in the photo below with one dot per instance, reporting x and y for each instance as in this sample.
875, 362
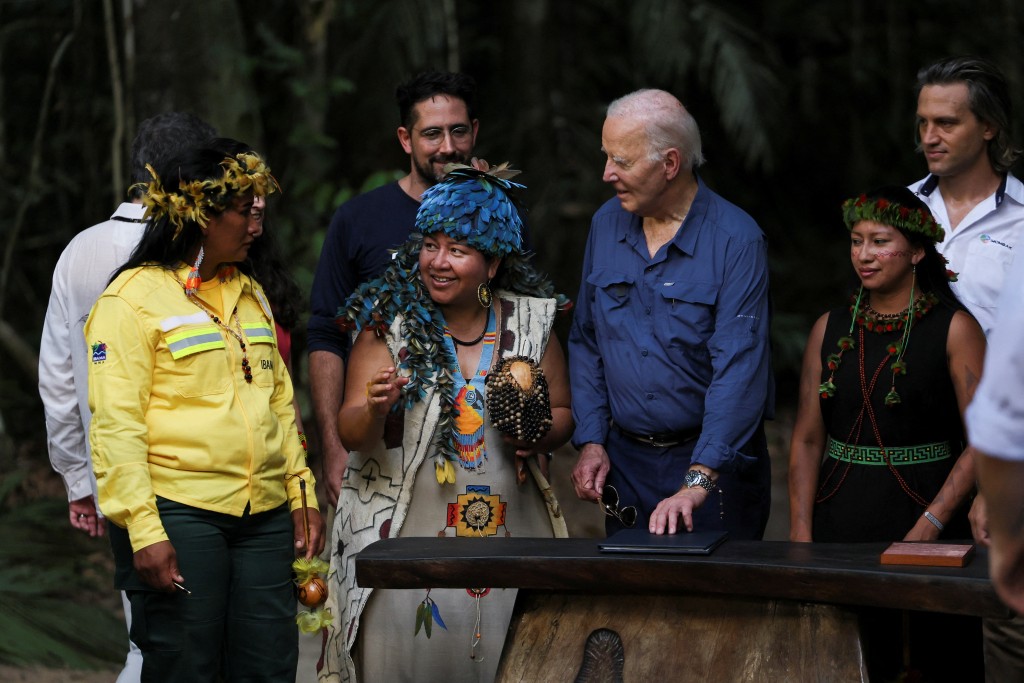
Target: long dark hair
267, 266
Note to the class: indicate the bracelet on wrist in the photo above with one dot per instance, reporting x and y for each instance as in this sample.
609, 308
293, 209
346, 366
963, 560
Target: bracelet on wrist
934, 520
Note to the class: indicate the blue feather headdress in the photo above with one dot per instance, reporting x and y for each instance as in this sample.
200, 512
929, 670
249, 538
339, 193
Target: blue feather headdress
468, 205
474, 206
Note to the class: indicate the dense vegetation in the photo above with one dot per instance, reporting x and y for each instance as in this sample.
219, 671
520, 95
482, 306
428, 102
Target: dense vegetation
801, 104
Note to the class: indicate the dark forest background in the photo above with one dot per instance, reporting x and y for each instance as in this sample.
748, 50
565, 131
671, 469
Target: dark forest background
800, 104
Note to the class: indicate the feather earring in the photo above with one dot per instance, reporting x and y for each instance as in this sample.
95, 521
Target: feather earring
193, 280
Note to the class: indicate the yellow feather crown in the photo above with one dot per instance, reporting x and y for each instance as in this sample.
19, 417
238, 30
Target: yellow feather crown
193, 199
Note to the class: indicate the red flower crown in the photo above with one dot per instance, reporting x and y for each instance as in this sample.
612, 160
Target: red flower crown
890, 213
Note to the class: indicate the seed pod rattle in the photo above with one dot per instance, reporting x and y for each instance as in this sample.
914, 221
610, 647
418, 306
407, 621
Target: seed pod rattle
518, 399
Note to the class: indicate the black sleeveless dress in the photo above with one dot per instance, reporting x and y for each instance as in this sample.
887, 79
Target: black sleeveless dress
860, 498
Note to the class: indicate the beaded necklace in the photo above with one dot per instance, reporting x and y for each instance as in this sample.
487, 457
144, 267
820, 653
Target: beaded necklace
239, 335
469, 400
869, 319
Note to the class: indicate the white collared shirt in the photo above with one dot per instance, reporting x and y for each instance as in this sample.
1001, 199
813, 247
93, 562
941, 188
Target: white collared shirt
81, 275
995, 418
980, 249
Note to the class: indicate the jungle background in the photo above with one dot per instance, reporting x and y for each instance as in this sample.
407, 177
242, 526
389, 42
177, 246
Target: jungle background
800, 105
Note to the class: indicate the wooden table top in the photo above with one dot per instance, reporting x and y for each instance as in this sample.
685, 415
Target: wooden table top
849, 574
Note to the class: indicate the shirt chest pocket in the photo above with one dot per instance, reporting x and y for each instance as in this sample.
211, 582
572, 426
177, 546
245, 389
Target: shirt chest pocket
614, 301
199, 366
985, 271
687, 315
261, 348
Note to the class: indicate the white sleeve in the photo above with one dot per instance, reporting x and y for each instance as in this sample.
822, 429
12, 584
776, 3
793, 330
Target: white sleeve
65, 433
995, 418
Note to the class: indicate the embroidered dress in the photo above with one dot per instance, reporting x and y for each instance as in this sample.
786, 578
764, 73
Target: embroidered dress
860, 499
377, 626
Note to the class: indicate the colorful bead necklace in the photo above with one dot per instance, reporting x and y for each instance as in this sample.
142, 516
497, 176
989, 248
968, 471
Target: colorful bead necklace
470, 400
869, 319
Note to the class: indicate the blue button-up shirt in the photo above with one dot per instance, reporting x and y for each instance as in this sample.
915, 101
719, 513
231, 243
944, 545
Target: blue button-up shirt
675, 341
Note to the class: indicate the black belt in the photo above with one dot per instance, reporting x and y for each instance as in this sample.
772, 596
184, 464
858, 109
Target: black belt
662, 439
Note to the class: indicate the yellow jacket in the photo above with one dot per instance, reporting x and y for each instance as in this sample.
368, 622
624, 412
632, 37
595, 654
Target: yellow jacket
172, 413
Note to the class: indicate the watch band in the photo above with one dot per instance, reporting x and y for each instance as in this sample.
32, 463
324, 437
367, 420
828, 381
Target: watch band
696, 478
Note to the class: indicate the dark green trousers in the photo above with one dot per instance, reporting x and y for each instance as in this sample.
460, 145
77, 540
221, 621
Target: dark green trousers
238, 624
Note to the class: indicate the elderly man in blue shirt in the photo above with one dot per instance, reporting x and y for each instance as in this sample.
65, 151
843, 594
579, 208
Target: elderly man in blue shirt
668, 352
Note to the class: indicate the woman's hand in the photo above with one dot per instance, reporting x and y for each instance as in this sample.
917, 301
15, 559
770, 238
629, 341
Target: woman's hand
524, 450
383, 391
157, 565
317, 533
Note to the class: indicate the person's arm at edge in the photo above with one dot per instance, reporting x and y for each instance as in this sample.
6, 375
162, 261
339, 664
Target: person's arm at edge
965, 351
808, 440
362, 416
734, 403
326, 387
590, 410
65, 433
1001, 481
118, 432
282, 403
735, 400
327, 347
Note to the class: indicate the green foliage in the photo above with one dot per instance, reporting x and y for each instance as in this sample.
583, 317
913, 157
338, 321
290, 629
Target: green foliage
800, 106
45, 569
719, 44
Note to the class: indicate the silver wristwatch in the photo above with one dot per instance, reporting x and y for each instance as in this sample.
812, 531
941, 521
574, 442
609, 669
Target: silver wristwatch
697, 478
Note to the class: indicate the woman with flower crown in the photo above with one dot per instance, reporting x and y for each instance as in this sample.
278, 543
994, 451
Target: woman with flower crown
432, 371
879, 449
198, 462
878, 445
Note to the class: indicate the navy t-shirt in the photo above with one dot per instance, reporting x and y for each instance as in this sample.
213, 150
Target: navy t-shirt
356, 249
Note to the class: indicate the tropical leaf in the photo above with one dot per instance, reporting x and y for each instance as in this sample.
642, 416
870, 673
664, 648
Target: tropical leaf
421, 616
47, 574
716, 43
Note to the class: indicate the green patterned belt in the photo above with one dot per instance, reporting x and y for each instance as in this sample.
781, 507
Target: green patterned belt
901, 455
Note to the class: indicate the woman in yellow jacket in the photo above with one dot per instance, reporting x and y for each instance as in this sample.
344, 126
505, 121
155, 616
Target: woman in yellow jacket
198, 462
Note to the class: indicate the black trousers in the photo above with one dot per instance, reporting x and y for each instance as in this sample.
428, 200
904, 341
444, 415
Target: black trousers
238, 624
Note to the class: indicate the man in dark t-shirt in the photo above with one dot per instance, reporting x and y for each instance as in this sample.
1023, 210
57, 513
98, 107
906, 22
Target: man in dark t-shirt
438, 127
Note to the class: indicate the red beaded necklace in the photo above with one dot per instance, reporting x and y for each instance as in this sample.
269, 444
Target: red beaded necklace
866, 318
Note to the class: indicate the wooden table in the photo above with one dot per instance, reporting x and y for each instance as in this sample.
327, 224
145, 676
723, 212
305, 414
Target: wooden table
756, 611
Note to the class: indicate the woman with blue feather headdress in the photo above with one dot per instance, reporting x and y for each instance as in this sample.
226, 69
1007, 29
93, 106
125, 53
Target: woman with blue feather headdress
456, 391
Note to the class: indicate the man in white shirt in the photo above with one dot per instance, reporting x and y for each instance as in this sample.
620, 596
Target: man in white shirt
963, 128
995, 422
964, 132
81, 275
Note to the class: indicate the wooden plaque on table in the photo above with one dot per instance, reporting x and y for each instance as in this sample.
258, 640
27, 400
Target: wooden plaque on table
928, 554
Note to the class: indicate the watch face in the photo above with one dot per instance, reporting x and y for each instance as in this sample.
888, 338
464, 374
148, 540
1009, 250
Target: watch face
698, 478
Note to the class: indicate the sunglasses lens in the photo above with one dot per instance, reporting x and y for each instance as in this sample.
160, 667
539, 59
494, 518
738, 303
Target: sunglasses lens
610, 497
627, 516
